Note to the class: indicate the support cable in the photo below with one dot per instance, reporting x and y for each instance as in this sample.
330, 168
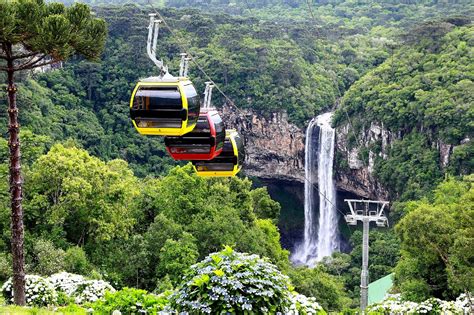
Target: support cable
231, 102
345, 111
184, 48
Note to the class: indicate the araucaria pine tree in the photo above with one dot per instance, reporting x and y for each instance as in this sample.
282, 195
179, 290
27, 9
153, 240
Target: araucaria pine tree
35, 34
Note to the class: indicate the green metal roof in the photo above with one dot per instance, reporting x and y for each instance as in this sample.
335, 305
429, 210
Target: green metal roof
378, 289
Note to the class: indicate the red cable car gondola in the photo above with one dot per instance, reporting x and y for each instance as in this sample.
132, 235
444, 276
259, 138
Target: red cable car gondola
205, 142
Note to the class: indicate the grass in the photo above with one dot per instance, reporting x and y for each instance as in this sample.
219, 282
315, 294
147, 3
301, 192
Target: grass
17, 310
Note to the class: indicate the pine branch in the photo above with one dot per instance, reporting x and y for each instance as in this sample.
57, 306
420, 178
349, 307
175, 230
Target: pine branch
30, 64
32, 54
38, 65
5, 57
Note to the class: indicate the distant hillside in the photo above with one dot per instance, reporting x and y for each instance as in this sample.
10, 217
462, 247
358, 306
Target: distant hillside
265, 63
424, 96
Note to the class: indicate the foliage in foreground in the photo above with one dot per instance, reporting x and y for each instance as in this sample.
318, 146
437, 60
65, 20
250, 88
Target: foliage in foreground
67, 310
131, 301
232, 282
394, 304
59, 289
317, 282
226, 281
168, 223
436, 242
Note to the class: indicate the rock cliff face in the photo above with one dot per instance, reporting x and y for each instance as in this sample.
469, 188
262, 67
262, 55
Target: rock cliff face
274, 147
357, 177
275, 150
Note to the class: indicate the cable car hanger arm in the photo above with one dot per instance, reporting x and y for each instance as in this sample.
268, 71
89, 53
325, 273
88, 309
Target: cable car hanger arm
208, 95
153, 30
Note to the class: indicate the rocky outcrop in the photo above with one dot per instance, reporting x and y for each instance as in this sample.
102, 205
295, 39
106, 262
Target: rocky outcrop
357, 177
275, 150
274, 147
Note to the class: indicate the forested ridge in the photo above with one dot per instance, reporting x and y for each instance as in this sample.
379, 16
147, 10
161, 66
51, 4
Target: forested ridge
422, 95
103, 201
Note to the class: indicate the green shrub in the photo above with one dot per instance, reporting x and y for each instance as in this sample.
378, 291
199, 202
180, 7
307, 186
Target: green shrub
131, 301
232, 282
47, 259
5, 267
75, 261
316, 282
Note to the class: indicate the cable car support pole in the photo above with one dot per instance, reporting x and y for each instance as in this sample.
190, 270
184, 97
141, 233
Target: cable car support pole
208, 95
152, 41
184, 65
366, 216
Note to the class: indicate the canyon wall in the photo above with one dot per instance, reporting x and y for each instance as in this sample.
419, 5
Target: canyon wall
275, 150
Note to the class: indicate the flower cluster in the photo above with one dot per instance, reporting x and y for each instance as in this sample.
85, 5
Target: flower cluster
91, 291
44, 291
66, 282
38, 291
302, 305
232, 282
395, 305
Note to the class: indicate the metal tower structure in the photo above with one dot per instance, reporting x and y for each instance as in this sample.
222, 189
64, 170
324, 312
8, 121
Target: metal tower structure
366, 211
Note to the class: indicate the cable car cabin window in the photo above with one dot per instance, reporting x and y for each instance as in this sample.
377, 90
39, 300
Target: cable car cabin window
158, 107
197, 141
190, 149
194, 104
220, 130
202, 128
227, 151
156, 98
210, 167
223, 162
240, 147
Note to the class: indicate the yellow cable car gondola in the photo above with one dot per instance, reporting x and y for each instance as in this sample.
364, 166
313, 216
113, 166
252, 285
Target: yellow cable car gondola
164, 106
226, 164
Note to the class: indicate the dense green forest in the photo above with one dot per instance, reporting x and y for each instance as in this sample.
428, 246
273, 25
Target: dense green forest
292, 65
104, 202
423, 94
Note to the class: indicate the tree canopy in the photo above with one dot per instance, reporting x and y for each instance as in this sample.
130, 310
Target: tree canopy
436, 242
37, 33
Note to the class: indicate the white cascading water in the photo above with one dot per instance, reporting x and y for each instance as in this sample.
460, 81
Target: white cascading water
306, 251
328, 241
324, 241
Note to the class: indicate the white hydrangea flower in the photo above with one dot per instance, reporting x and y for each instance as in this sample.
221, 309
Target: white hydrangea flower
66, 282
91, 291
393, 304
38, 291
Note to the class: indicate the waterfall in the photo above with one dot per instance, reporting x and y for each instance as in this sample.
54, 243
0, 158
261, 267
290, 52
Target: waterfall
327, 225
323, 241
306, 251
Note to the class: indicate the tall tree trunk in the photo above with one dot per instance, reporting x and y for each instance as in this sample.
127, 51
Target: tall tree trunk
16, 192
